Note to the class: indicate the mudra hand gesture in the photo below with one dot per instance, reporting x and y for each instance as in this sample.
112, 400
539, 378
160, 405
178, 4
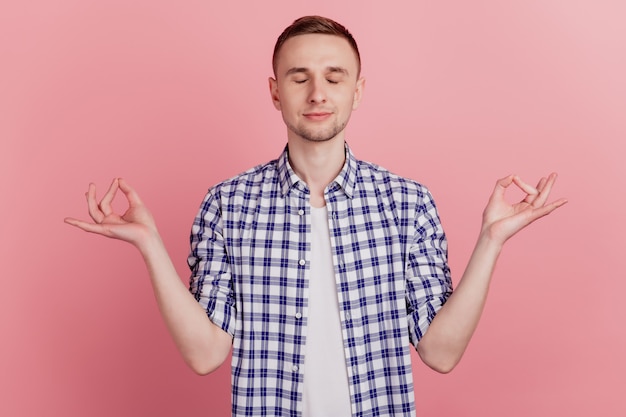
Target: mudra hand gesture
134, 226
501, 220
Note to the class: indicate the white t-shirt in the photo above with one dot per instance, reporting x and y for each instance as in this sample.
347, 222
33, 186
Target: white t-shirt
326, 390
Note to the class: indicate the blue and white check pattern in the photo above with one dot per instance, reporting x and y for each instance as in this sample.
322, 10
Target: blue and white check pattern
250, 262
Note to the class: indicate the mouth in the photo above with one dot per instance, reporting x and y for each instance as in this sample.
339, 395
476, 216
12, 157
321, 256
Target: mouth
317, 116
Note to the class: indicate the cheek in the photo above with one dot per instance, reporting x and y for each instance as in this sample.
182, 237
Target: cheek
289, 106
289, 99
346, 100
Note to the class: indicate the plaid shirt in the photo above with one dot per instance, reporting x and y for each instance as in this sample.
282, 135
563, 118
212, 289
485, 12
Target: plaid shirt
250, 262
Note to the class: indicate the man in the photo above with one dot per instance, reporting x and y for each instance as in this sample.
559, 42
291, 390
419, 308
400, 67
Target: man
317, 268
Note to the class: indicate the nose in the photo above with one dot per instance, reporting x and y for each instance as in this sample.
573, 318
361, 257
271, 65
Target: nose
317, 94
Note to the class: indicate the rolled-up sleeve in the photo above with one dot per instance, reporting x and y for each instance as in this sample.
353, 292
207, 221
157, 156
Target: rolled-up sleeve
429, 283
210, 281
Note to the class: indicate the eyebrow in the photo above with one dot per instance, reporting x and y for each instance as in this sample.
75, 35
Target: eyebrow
299, 70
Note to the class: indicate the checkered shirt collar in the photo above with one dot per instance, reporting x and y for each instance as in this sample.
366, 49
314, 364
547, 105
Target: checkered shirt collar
346, 179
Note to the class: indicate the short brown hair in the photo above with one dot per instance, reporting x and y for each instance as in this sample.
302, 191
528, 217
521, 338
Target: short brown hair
315, 25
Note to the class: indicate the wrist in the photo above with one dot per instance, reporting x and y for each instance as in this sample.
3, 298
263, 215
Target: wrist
149, 242
488, 240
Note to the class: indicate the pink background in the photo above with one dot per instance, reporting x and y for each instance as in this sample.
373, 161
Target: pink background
173, 96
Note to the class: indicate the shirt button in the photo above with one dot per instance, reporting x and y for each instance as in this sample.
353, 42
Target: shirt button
298, 315
302, 262
301, 212
294, 368
348, 316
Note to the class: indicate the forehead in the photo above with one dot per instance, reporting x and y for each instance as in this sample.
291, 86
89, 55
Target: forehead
316, 51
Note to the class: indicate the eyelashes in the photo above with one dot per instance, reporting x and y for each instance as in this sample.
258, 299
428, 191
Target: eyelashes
305, 80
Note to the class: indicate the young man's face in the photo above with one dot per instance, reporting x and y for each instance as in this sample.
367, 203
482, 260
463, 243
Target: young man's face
316, 86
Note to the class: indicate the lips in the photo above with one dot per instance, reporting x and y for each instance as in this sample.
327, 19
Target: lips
317, 116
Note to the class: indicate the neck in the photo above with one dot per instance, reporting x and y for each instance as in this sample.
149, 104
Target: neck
317, 164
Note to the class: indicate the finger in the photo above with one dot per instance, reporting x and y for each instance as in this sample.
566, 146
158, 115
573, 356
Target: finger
501, 185
545, 190
94, 210
527, 188
130, 193
547, 209
531, 192
88, 227
541, 184
105, 203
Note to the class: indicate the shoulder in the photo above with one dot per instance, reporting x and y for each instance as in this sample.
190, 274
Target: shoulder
254, 177
390, 183
241, 189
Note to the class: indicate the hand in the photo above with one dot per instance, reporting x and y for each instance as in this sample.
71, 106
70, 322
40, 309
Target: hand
502, 220
133, 226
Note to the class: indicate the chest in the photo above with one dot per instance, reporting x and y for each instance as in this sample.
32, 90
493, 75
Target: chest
270, 249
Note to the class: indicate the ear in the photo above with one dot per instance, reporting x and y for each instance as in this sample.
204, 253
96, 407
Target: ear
273, 84
358, 93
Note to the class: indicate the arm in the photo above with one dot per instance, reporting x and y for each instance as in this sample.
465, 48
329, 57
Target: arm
445, 341
203, 345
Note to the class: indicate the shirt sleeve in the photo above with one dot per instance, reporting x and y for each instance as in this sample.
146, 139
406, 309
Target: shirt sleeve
210, 281
429, 283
